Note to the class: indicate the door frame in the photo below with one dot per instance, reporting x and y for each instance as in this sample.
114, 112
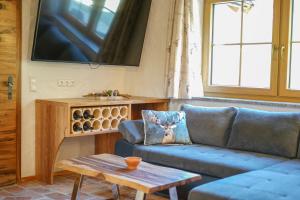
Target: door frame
19, 87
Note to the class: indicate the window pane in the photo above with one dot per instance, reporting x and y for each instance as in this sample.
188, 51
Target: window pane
258, 22
295, 67
81, 10
112, 5
296, 20
256, 66
225, 65
104, 23
226, 23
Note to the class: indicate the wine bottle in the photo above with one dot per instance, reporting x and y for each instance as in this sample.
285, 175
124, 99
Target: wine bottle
87, 127
77, 115
88, 115
77, 128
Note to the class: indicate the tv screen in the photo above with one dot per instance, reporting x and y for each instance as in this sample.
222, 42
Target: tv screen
108, 32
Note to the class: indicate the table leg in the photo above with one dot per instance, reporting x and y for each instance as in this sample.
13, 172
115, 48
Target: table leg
173, 193
140, 195
116, 192
77, 187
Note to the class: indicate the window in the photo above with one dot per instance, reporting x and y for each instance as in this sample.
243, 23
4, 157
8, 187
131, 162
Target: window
81, 10
93, 18
294, 80
291, 42
249, 50
106, 17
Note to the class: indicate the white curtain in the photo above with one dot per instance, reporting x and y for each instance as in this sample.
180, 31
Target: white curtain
183, 65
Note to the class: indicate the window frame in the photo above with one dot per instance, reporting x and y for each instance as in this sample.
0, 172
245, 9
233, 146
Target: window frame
285, 40
90, 28
226, 91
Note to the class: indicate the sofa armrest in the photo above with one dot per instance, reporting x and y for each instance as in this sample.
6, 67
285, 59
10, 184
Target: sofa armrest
132, 131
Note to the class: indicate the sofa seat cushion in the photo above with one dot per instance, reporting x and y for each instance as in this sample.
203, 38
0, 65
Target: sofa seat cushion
275, 133
207, 160
266, 184
210, 126
287, 167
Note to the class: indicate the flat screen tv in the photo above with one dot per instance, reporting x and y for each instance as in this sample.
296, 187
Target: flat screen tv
106, 32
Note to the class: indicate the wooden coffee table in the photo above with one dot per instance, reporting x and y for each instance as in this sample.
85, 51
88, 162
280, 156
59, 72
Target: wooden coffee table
146, 179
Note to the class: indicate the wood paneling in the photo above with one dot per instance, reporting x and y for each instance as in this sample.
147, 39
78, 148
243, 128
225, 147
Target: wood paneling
136, 109
9, 65
7, 120
52, 121
53, 126
106, 142
7, 158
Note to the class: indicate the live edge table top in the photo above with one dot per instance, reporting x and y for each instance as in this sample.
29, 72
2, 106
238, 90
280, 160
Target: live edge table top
147, 178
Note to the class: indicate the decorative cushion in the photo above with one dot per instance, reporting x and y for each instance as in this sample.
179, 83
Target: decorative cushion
165, 127
275, 133
132, 131
209, 126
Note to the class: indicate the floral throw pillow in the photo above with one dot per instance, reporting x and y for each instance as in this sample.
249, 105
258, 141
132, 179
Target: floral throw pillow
165, 127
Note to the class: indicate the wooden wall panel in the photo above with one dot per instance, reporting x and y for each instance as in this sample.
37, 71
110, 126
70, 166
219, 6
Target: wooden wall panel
8, 120
10, 17
136, 110
7, 158
105, 143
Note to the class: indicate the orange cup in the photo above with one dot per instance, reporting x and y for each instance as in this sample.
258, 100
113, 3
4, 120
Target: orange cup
132, 162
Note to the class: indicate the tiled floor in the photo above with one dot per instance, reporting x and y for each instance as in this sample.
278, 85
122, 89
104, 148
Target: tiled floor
61, 189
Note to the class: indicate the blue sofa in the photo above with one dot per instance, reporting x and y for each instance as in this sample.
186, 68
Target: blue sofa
241, 153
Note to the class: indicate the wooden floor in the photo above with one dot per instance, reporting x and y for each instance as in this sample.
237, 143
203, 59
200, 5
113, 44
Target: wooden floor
61, 189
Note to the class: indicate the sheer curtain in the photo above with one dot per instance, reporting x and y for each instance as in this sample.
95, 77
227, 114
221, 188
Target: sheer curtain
183, 65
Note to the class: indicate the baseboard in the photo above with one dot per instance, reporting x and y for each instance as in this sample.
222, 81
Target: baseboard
34, 178
28, 179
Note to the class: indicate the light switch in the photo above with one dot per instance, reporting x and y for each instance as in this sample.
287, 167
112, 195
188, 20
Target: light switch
33, 87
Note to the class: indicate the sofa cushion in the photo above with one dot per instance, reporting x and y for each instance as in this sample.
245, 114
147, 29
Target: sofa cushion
207, 160
209, 126
266, 184
275, 133
287, 167
132, 131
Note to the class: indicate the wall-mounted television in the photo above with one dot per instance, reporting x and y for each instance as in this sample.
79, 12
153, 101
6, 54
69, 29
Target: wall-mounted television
105, 32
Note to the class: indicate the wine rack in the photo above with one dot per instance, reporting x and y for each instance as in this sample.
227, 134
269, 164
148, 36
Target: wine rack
89, 120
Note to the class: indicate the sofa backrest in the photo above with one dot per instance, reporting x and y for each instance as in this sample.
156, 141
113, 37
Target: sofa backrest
210, 126
275, 133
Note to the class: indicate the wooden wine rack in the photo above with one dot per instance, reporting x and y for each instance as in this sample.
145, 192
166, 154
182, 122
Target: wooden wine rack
55, 122
105, 119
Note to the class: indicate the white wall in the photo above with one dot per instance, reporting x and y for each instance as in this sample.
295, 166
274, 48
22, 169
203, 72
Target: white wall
149, 78
146, 80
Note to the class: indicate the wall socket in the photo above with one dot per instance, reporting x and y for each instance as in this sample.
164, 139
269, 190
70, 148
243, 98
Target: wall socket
65, 83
